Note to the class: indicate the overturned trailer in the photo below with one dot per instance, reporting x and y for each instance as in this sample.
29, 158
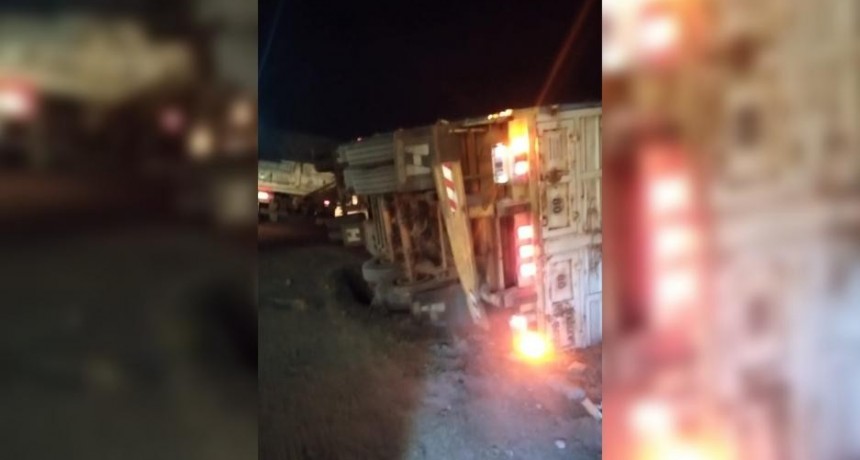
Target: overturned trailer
494, 214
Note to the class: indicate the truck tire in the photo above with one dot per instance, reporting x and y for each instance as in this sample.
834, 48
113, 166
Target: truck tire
375, 271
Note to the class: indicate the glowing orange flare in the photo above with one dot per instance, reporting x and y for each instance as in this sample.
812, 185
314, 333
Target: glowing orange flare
532, 345
520, 144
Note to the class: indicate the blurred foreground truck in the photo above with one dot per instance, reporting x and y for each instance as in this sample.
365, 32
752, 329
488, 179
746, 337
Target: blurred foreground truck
131, 110
499, 213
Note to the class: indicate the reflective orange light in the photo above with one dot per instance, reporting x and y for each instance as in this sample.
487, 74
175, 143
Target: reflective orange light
528, 270
521, 168
263, 196
527, 250
532, 346
525, 232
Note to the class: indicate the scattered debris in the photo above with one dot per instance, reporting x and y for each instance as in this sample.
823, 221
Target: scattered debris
593, 410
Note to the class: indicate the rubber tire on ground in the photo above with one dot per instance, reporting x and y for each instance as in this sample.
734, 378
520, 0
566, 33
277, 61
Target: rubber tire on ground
375, 271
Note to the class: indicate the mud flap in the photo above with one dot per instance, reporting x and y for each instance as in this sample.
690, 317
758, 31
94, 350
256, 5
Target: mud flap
449, 187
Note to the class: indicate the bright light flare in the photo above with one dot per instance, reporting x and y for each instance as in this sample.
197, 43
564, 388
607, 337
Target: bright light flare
532, 346
677, 449
264, 196
520, 144
526, 251
16, 103
652, 418
519, 323
676, 289
528, 270
670, 194
521, 168
671, 242
659, 33
326, 203
525, 232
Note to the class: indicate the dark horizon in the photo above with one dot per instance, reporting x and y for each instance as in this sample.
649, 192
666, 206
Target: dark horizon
347, 69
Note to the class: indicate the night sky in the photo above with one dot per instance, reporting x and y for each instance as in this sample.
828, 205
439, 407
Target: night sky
347, 68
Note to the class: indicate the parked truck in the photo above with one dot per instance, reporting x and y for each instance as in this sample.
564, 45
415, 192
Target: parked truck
285, 187
499, 213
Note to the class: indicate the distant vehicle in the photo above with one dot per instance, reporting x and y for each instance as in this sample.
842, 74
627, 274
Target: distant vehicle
290, 187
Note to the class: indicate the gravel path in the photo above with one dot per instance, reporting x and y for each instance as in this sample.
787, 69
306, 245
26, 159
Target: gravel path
340, 381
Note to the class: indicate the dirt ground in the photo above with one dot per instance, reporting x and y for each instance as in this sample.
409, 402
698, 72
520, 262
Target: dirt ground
340, 381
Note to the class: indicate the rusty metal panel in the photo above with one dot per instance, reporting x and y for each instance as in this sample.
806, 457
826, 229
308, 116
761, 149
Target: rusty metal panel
413, 158
570, 229
569, 148
371, 181
573, 310
371, 151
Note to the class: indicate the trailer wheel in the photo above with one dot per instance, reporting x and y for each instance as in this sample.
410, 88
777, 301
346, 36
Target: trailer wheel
375, 271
